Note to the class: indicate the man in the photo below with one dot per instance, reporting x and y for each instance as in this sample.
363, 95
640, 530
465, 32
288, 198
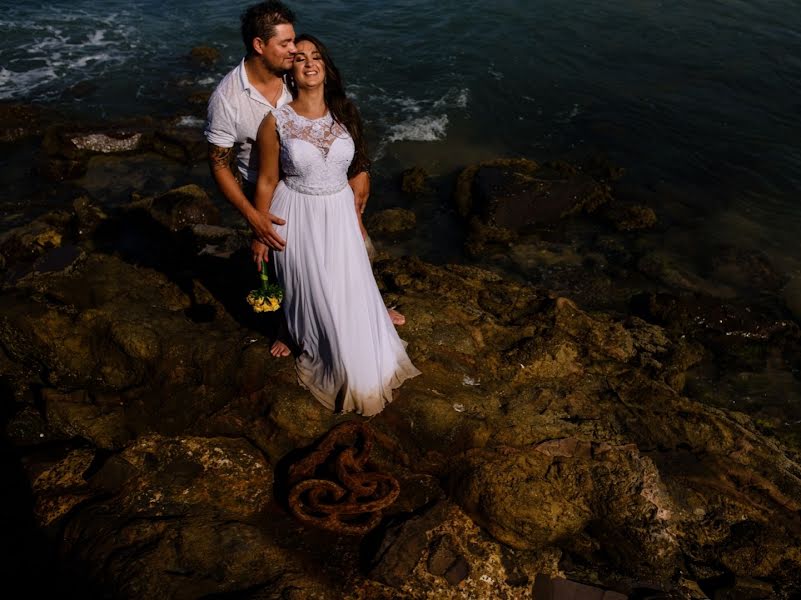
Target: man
240, 102
236, 109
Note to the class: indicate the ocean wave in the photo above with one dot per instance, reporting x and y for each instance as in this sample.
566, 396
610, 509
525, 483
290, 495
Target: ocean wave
42, 59
15, 85
454, 97
421, 129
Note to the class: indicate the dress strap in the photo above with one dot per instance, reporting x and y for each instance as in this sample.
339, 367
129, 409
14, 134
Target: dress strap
282, 115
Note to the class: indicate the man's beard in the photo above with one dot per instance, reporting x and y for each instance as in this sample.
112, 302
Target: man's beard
278, 71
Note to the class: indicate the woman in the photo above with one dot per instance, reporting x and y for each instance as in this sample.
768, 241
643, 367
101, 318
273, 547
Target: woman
351, 357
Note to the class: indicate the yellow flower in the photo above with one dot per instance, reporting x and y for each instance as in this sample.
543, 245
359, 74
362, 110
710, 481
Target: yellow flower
268, 297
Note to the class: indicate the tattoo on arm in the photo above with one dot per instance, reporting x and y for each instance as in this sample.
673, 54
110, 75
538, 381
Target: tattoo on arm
220, 158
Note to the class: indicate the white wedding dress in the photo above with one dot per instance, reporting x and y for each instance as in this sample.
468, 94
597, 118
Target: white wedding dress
351, 357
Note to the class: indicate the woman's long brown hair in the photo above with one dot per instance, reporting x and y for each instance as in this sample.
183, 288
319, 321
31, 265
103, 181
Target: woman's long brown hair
343, 110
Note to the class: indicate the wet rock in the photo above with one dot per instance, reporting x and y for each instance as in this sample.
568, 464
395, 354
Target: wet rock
183, 144
186, 475
391, 221
66, 151
664, 269
107, 143
403, 544
631, 217
441, 556
78, 144
199, 99
177, 506
548, 588
29, 428
414, 181
516, 193
184, 207
60, 487
560, 430
27, 243
60, 259
438, 552
514, 200
58, 169
712, 321
745, 588
463, 195
483, 236
445, 561
792, 297
744, 269
204, 55
222, 242
576, 482
516, 208
600, 167
88, 217
19, 121
76, 415
112, 327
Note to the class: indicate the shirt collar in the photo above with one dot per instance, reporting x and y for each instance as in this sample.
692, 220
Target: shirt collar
253, 92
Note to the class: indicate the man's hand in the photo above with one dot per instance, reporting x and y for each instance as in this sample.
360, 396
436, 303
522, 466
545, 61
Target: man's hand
260, 253
262, 226
361, 190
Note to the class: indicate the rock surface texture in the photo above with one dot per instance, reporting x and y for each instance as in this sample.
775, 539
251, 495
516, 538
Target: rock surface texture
542, 440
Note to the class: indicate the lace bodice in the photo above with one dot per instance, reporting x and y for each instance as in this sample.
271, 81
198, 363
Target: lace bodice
315, 153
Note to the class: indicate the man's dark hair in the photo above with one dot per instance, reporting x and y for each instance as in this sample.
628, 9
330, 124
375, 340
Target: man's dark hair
259, 21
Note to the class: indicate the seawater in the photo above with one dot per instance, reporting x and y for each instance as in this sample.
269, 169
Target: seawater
700, 102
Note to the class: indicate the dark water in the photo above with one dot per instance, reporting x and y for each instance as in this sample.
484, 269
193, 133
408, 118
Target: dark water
700, 101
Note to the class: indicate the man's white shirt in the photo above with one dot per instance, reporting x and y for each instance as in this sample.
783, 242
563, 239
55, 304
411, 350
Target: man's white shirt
235, 111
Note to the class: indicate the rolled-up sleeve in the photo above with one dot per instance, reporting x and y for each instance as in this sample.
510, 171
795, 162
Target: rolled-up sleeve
220, 128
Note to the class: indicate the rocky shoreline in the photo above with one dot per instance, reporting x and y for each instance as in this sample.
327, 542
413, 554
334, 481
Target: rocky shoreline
573, 421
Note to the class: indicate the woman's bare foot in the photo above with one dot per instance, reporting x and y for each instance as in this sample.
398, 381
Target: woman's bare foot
279, 349
396, 317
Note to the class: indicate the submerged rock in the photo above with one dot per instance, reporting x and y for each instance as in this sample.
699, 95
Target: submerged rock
204, 55
414, 181
391, 221
19, 121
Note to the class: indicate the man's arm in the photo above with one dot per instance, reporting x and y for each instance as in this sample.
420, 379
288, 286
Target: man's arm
220, 165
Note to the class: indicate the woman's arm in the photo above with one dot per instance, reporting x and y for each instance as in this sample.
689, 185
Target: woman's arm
267, 142
359, 170
360, 184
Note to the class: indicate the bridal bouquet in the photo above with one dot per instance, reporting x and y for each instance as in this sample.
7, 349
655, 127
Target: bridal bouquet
268, 297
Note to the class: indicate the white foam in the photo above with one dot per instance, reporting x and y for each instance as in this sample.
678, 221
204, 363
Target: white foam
420, 129
71, 45
189, 121
454, 97
96, 37
493, 73
15, 85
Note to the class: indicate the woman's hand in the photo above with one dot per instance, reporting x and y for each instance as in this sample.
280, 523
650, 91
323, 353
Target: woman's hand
260, 253
362, 228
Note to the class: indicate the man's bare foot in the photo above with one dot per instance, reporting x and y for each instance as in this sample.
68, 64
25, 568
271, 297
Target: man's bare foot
279, 349
396, 317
